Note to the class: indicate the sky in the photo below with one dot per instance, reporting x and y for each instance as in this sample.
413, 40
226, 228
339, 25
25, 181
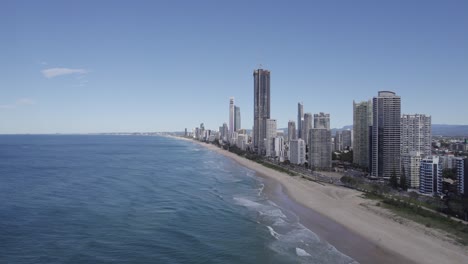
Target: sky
122, 66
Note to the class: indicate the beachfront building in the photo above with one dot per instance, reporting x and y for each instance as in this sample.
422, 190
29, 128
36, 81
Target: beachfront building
231, 116
386, 113
300, 118
270, 134
461, 166
261, 107
297, 151
411, 163
430, 176
237, 118
322, 120
278, 148
416, 139
242, 141
362, 122
320, 154
291, 130
416, 134
306, 126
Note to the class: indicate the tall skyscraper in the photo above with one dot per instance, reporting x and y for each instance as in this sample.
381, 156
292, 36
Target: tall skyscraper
416, 134
300, 118
291, 130
231, 116
306, 126
322, 120
362, 122
261, 107
237, 118
270, 135
386, 112
320, 154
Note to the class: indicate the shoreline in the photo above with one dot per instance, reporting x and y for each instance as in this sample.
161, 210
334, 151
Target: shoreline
347, 221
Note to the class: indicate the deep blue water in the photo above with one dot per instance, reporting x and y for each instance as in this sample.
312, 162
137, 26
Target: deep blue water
136, 199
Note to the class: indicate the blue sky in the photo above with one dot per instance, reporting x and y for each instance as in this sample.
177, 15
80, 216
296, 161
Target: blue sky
102, 66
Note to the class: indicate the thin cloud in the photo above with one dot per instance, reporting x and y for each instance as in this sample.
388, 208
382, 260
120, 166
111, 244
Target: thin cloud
54, 72
18, 103
25, 101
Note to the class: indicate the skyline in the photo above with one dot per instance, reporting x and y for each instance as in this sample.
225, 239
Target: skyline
98, 67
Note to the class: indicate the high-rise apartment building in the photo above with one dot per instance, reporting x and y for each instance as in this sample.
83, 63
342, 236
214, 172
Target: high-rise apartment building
320, 154
362, 122
300, 118
347, 139
416, 134
269, 138
411, 163
237, 118
306, 126
386, 112
231, 116
261, 107
416, 139
297, 151
322, 120
430, 176
291, 130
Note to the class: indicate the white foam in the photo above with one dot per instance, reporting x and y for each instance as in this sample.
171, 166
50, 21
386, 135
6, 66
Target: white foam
273, 233
246, 202
302, 253
260, 190
273, 213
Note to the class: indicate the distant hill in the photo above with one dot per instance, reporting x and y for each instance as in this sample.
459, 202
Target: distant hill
450, 130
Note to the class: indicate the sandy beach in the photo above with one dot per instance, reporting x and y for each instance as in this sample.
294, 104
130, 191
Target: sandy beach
354, 225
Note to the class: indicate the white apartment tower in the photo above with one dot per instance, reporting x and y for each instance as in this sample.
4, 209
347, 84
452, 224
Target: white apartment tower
297, 151
416, 134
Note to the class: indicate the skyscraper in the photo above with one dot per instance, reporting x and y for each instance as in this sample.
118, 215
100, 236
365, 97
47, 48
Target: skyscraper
416, 134
306, 126
291, 130
416, 140
362, 121
231, 116
386, 112
321, 120
270, 135
300, 117
237, 118
261, 107
320, 154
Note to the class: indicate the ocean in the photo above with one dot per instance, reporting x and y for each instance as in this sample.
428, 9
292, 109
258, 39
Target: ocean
141, 199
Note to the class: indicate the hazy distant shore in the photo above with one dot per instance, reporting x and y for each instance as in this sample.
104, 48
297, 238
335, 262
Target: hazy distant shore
351, 223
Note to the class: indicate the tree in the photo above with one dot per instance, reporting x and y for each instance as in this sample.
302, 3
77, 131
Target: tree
393, 180
403, 183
